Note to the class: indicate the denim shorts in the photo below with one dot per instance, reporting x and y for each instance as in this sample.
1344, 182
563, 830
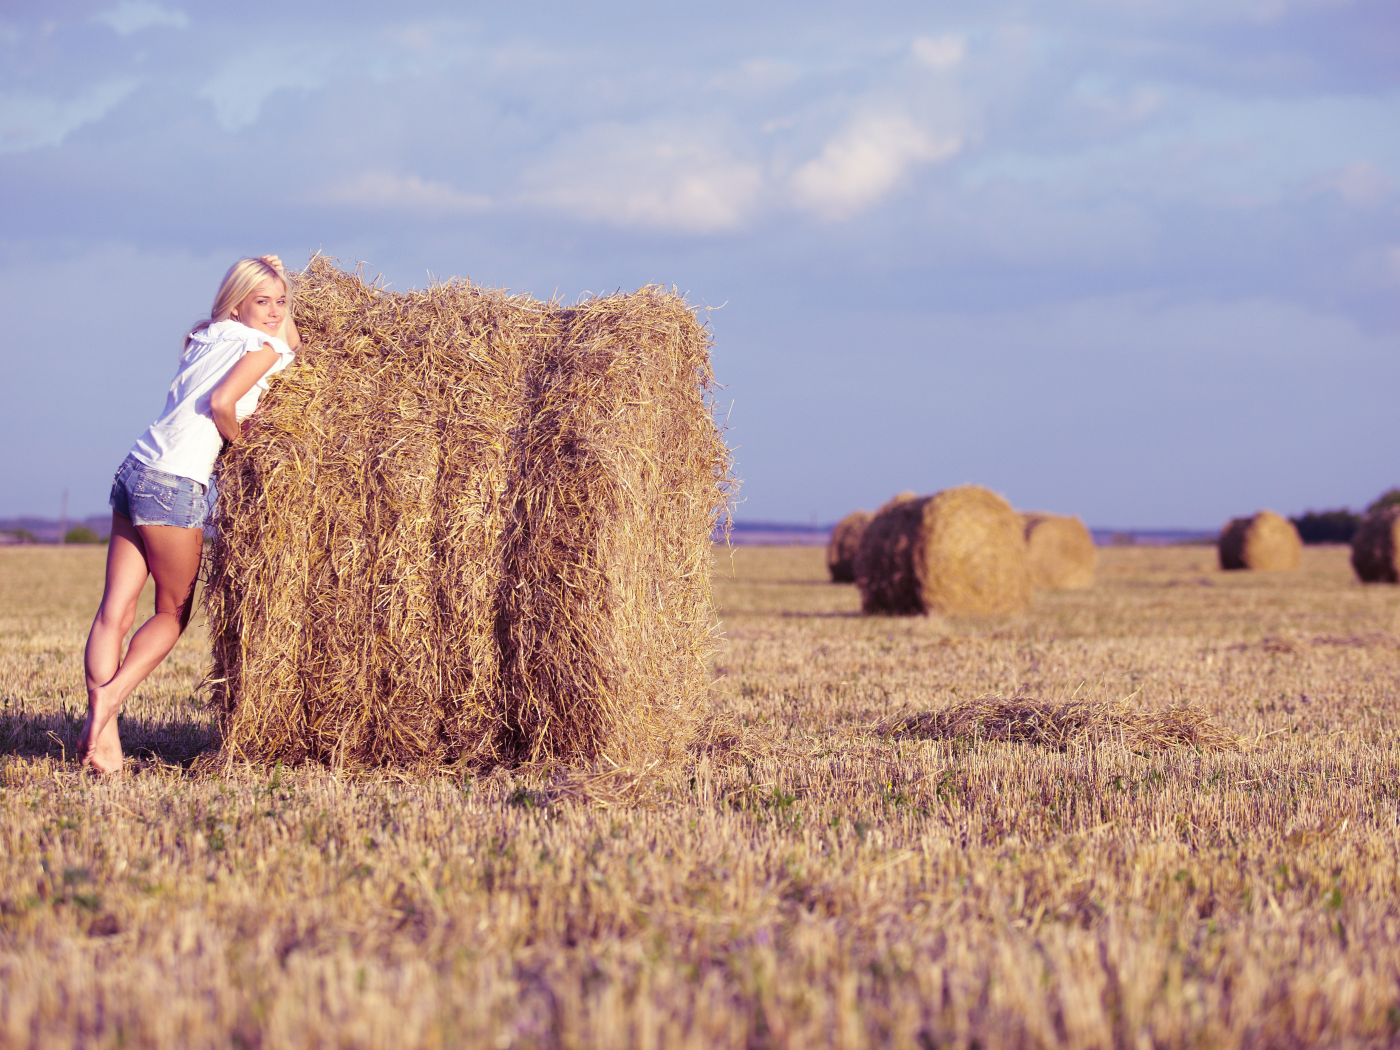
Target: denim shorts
152, 497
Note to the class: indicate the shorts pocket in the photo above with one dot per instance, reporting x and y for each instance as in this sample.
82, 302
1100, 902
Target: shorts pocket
159, 494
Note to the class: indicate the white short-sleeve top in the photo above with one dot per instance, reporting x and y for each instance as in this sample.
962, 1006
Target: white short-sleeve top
184, 441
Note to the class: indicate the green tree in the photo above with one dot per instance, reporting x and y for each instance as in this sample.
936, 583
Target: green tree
81, 534
1385, 499
1327, 526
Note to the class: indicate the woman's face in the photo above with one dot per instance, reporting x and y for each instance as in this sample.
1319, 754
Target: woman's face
264, 307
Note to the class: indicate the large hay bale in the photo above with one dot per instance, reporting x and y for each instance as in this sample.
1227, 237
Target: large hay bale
1375, 549
469, 526
844, 545
960, 552
1265, 542
1060, 552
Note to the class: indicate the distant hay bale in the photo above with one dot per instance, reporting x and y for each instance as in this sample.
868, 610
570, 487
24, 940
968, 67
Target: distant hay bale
1059, 724
469, 526
1375, 549
1060, 552
844, 545
960, 552
1265, 542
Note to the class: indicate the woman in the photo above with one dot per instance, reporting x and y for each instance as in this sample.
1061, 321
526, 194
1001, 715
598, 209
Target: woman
158, 495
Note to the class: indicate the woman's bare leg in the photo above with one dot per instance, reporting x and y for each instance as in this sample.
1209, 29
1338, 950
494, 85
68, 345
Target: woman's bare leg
171, 554
126, 575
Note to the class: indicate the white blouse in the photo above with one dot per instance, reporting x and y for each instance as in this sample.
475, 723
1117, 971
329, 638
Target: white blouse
184, 441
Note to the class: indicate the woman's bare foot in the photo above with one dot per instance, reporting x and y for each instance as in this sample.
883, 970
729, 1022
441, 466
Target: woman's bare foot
100, 744
107, 756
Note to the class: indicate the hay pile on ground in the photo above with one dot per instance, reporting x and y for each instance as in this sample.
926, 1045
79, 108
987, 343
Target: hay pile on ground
1264, 542
1060, 552
960, 552
469, 526
844, 545
1059, 724
1375, 549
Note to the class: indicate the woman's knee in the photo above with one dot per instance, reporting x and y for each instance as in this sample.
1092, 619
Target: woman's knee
117, 615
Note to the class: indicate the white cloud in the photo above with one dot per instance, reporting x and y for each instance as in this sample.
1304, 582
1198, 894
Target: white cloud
863, 163
756, 76
647, 176
940, 52
131, 16
31, 122
1392, 265
241, 86
1360, 183
382, 189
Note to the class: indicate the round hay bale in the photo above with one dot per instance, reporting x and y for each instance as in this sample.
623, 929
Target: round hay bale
844, 545
1060, 552
961, 552
1375, 549
1264, 542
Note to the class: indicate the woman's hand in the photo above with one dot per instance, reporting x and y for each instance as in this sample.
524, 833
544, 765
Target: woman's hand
286, 331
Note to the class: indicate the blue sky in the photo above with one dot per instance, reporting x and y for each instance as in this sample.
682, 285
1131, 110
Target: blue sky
1138, 261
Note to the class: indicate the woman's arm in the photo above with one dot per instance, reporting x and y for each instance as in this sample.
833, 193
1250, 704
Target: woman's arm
287, 332
251, 367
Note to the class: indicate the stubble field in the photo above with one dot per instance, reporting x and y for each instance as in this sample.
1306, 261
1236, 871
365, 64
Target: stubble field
800, 879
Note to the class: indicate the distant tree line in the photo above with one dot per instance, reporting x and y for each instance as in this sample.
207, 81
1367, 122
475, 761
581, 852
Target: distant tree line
77, 534
1338, 526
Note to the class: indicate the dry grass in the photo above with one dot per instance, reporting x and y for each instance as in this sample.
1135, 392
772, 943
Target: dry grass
1061, 724
799, 880
469, 528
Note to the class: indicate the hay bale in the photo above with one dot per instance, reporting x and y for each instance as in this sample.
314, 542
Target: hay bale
844, 545
1375, 549
960, 552
1265, 542
1060, 552
468, 526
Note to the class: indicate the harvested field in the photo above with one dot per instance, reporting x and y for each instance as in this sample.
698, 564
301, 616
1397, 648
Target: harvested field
802, 877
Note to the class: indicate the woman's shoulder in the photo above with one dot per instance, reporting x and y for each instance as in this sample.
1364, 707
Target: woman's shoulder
240, 334
230, 330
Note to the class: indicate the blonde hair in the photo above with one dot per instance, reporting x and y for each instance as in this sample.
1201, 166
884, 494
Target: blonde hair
242, 277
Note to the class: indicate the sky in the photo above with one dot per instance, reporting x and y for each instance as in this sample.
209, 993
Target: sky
1135, 260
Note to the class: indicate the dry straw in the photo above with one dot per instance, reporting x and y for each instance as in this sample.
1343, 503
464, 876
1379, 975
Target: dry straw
1375, 549
1265, 542
960, 552
844, 545
468, 526
1060, 552
1060, 724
